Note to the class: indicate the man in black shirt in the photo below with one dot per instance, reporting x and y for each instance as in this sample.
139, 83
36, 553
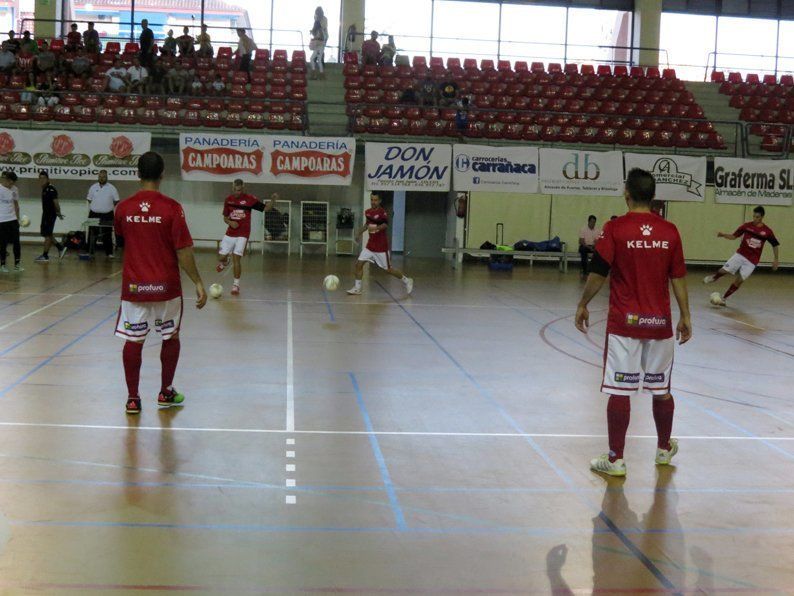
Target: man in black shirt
146, 41
50, 211
12, 44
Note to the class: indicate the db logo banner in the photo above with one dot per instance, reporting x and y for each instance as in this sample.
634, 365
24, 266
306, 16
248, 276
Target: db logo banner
593, 173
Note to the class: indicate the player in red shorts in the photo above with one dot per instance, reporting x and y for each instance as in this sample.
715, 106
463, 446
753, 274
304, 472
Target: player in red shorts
157, 243
377, 249
754, 235
642, 254
237, 215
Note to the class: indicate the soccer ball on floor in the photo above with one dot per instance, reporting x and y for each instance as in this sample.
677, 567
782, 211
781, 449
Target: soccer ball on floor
331, 282
24, 221
715, 298
216, 290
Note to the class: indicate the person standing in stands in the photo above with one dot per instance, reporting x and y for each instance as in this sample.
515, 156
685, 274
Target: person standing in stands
12, 44
146, 42
205, 49
102, 198
587, 239
370, 49
74, 41
50, 211
185, 43
245, 49
317, 46
91, 39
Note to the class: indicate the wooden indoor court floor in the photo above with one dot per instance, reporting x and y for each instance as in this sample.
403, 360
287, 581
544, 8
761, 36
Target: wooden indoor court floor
382, 445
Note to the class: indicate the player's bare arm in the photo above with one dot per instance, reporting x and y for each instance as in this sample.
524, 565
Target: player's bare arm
776, 261
231, 223
594, 284
57, 208
726, 236
683, 331
187, 261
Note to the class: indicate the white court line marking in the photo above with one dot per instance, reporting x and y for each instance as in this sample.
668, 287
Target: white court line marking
290, 441
290, 483
278, 431
290, 368
290, 454
35, 312
290, 467
290, 499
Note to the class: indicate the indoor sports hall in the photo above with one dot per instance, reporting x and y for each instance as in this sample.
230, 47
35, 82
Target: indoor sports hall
431, 437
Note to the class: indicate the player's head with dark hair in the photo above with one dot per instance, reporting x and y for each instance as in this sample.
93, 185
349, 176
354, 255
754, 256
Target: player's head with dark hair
151, 167
10, 176
591, 221
5, 179
374, 199
758, 214
44, 174
640, 187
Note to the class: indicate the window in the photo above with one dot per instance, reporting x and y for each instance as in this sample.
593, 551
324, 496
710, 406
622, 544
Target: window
407, 20
785, 63
544, 25
294, 19
688, 41
589, 30
746, 45
466, 29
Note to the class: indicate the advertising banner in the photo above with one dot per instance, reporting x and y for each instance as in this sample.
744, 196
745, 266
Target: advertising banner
495, 169
570, 172
678, 177
267, 159
72, 155
753, 181
408, 166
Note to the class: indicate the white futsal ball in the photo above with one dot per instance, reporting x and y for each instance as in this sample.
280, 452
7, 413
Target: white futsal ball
24, 221
715, 298
331, 282
216, 290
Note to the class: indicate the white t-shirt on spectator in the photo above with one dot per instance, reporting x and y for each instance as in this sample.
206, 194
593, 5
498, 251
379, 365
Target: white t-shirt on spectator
116, 78
137, 73
102, 197
218, 85
589, 236
7, 211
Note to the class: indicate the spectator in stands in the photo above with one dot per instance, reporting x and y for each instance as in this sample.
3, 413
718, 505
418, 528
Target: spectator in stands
217, 87
29, 92
319, 17
46, 60
317, 46
387, 52
91, 39
587, 239
12, 43
81, 65
157, 78
350, 38
448, 93
462, 116
204, 41
26, 61
428, 93
137, 76
74, 41
408, 97
196, 85
245, 49
185, 43
146, 43
47, 94
370, 49
177, 79
7, 60
117, 76
169, 44
28, 43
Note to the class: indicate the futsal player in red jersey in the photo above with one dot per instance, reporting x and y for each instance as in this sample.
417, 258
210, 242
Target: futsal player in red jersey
377, 249
754, 234
157, 243
642, 255
237, 215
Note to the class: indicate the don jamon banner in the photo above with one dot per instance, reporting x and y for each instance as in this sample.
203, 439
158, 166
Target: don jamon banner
72, 155
408, 166
753, 181
267, 159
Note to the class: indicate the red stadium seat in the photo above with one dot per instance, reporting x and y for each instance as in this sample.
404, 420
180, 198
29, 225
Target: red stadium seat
752, 78
717, 76
770, 79
604, 70
621, 71
57, 46
131, 47
112, 47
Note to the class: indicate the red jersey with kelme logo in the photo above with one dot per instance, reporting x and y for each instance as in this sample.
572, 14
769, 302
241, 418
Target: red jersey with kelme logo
154, 228
238, 208
378, 241
753, 239
644, 253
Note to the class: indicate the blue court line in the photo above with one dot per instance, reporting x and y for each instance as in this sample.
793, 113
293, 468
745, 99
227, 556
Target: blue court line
399, 517
328, 306
49, 359
51, 325
647, 563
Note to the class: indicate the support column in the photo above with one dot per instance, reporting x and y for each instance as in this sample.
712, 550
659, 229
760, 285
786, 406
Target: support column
47, 9
398, 222
647, 27
352, 14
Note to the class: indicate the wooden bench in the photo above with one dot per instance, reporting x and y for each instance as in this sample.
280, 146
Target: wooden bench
527, 255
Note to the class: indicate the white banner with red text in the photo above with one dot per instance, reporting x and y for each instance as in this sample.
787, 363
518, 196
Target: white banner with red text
325, 161
678, 177
72, 155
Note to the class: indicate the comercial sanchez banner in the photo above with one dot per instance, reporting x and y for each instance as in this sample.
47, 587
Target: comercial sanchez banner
752, 181
495, 169
408, 166
72, 155
569, 172
678, 177
211, 157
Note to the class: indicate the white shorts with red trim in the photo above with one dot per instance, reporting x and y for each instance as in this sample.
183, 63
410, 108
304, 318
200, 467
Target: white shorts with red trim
136, 319
741, 265
631, 364
381, 259
230, 244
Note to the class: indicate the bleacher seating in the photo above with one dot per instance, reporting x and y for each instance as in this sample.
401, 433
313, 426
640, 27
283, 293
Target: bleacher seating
561, 103
766, 103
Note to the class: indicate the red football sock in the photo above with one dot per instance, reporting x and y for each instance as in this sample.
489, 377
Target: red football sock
132, 356
169, 356
618, 415
730, 291
663, 410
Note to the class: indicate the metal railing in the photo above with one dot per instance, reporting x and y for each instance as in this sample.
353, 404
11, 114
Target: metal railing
711, 63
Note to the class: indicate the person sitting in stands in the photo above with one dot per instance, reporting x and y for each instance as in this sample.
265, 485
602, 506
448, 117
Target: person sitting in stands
428, 93
46, 60
137, 76
177, 80
185, 43
448, 92
217, 87
30, 92
169, 44
12, 43
29, 44
26, 61
370, 49
7, 60
81, 65
117, 77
